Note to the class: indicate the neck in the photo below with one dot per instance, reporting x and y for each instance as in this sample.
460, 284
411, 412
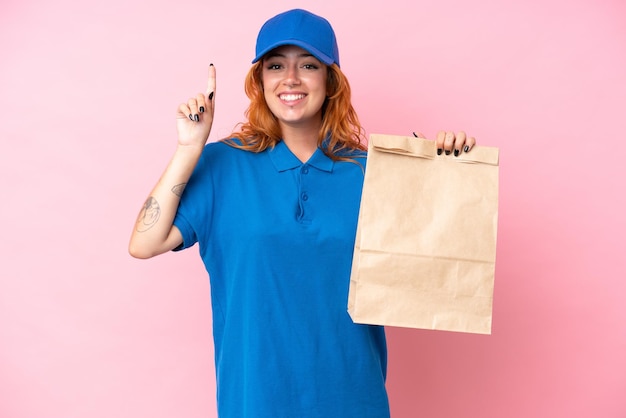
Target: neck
301, 141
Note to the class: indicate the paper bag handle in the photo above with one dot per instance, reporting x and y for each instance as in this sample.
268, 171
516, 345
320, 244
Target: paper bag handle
425, 148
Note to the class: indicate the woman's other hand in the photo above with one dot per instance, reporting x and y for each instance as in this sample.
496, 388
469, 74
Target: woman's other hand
449, 142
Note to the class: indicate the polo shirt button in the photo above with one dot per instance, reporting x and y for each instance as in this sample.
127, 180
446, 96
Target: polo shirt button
305, 170
305, 197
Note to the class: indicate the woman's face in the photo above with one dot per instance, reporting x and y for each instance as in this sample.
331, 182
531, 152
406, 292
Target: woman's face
294, 85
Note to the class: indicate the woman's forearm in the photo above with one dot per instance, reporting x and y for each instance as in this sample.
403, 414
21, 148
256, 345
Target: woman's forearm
154, 233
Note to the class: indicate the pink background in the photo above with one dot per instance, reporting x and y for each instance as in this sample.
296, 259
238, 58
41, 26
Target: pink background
87, 100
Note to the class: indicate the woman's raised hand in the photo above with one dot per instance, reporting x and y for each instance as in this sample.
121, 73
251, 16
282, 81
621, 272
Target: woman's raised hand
194, 118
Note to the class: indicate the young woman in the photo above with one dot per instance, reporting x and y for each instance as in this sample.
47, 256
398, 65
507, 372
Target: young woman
274, 210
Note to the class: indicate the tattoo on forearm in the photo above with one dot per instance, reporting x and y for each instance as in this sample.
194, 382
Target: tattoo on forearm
178, 189
149, 215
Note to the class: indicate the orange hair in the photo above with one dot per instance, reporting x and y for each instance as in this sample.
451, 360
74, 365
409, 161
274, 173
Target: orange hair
341, 130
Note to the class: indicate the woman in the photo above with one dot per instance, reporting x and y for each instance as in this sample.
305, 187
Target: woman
274, 210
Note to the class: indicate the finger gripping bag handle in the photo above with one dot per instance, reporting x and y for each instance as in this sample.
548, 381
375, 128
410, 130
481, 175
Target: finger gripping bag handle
425, 148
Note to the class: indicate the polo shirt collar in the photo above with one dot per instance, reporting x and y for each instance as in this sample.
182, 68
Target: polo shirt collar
283, 159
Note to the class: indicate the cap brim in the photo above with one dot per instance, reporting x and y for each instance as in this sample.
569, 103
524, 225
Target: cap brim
315, 52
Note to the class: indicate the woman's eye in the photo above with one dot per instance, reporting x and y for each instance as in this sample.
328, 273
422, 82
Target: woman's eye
273, 67
310, 67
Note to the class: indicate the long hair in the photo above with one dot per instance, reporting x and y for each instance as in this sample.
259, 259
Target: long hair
340, 134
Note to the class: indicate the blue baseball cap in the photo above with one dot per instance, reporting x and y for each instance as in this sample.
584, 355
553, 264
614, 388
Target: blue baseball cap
301, 28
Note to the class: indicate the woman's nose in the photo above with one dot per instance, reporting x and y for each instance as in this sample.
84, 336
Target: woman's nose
292, 77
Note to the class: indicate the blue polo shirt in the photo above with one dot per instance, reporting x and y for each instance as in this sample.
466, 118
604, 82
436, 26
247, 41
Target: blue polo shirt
276, 236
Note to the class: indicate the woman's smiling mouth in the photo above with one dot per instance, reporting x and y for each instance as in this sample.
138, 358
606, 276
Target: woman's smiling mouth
291, 97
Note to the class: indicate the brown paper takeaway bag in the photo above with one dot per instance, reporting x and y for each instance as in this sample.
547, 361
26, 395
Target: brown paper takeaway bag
426, 238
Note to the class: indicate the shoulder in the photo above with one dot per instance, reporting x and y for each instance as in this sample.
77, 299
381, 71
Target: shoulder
224, 146
345, 153
224, 157
213, 157
352, 153
222, 149
353, 156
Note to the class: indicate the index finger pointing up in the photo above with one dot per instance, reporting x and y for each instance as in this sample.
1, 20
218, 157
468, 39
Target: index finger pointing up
210, 90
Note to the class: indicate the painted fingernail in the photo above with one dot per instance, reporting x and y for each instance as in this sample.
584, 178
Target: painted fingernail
196, 118
211, 96
211, 65
415, 135
201, 109
439, 151
466, 149
447, 152
456, 152
190, 116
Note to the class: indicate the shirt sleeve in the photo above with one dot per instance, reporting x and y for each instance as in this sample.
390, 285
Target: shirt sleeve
193, 217
185, 228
